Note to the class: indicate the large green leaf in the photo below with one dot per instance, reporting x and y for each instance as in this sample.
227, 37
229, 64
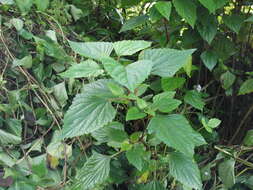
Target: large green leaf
227, 80
130, 76
175, 131
172, 83
226, 172
89, 111
87, 68
234, 22
135, 156
164, 8
210, 59
166, 62
209, 4
185, 170
246, 87
129, 47
187, 10
93, 50
133, 23
95, 171
193, 98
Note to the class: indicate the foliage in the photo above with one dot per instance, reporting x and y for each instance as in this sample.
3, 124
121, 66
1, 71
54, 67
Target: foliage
137, 94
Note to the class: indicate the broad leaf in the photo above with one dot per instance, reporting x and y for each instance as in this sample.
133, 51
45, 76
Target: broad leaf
60, 93
133, 23
8, 138
135, 156
134, 113
172, 83
164, 8
209, 59
93, 50
130, 76
187, 10
175, 131
246, 87
209, 4
166, 62
227, 80
95, 171
24, 5
250, 19
226, 172
234, 22
193, 98
41, 5
87, 68
165, 105
185, 170
130, 47
25, 62
89, 111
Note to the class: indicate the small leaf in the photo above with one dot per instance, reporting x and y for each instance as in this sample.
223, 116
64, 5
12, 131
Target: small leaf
166, 62
26, 62
130, 47
130, 76
172, 83
24, 5
17, 23
133, 23
188, 67
41, 5
134, 113
227, 80
250, 19
89, 111
93, 50
116, 89
185, 170
213, 123
209, 59
226, 172
234, 22
187, 10
95, 171
60, 93
248, 139
193, 98
246, 87
87, 69
164, 8
175, 131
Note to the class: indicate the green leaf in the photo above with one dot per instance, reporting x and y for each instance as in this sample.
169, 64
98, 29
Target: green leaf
26, 62
248, 139
209, 4
93, 50
8, 138
187, 10
227, 80
207, 27
185, 170
130, 47
116, 89
17, 23
41, 5
234, 22
164, 8
250, 19
7, 160
134, 113
165, 105
7, 2
172, 83
24, 5
60, 93
246, 87
226, 172
87, 69
153, 185
130, 76
113, 134
209, 59
193, 98
135, 156
175, 131
89, 111
188, 67
166, 62
133, 23
95, 171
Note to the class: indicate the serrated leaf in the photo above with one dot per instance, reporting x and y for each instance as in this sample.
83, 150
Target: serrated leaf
166, 62
130, 76
172, 83
135, 156
134, 113
246, 87
133, 23
87, 68
175, 131
193, 98
226, 172
89, 111
209, 59
130, 47
185, 170
93, 50
234, 22
187, 10
164, 8
227, 80
95, 171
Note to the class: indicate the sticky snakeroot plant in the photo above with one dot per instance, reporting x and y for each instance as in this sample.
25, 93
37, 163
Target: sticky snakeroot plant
136, 123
